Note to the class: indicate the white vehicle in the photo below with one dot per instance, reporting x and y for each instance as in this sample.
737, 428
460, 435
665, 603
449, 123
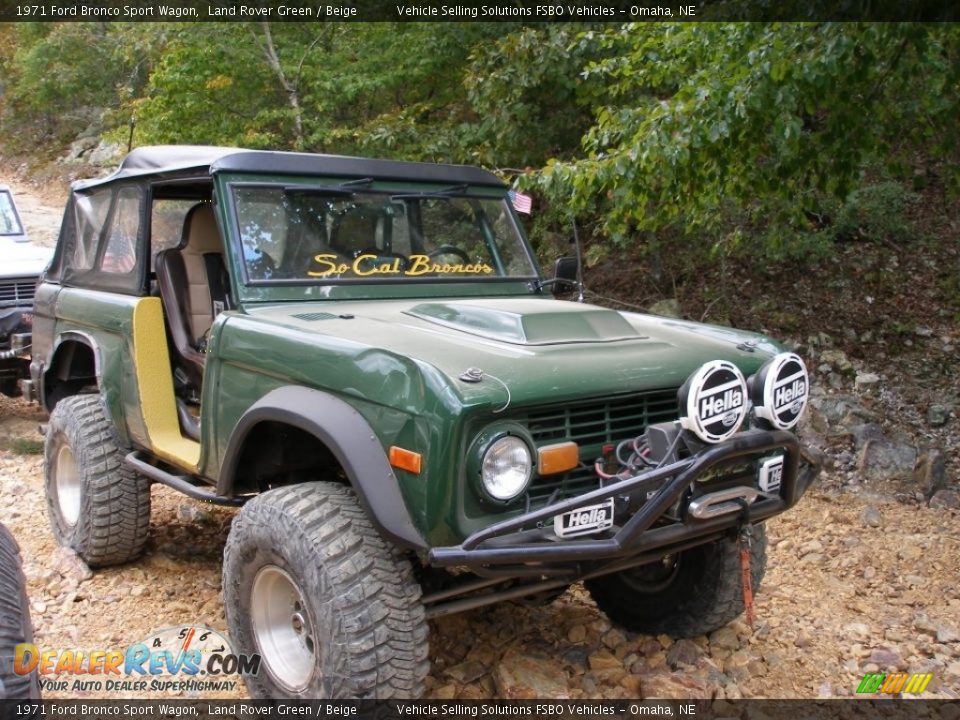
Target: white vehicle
21, 263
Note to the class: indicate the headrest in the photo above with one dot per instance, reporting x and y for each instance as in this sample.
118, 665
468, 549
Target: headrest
200, 234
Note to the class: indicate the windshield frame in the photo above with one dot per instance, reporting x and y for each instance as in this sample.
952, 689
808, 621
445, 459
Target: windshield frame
21, 233
335, 185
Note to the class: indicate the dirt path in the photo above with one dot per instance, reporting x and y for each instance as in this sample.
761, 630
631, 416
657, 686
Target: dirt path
853, 586
40, 207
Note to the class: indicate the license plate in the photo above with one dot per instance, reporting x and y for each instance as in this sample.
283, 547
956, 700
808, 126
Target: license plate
586, 520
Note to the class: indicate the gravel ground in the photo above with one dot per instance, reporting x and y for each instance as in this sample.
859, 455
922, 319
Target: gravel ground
853, 586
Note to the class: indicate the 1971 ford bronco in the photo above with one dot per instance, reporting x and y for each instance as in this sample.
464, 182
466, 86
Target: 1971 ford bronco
361, 353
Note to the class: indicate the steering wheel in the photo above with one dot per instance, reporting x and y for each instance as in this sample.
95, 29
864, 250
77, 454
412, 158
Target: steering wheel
449, 250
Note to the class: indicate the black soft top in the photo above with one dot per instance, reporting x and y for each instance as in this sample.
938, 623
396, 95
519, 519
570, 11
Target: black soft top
208, 160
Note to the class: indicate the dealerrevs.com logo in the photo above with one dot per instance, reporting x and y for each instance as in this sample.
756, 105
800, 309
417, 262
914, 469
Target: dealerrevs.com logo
178, 659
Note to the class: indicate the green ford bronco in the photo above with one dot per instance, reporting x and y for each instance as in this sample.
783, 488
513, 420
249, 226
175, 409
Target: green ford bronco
364, 356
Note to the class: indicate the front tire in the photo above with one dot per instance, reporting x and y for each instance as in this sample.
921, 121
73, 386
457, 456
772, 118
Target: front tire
15, 627
96, 504
332, 609
692, 593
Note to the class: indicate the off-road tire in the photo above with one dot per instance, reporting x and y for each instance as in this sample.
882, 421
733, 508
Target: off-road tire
352, 591
113, 508
703, 593
15, 627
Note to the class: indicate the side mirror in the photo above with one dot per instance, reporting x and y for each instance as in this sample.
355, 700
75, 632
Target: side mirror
564, 274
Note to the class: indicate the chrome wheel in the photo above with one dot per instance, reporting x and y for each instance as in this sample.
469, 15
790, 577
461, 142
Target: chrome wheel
68, 485
282, 628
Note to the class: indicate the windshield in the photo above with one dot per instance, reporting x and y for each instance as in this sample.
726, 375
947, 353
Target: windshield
317, 234
9, 222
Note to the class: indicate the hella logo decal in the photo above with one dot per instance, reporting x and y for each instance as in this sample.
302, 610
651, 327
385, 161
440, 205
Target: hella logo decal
786, 388
714, 401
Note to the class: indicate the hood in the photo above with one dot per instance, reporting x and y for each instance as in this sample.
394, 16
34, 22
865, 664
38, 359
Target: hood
22, 259
541, 349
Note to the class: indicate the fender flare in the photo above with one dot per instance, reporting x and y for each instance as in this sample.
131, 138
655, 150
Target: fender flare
351, 440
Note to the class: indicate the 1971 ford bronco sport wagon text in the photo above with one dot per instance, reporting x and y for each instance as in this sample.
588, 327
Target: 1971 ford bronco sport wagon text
361, 354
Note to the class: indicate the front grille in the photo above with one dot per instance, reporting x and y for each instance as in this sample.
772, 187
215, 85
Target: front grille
592, 424
17, 292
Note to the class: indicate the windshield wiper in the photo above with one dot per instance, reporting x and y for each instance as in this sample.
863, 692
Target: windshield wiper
441, 193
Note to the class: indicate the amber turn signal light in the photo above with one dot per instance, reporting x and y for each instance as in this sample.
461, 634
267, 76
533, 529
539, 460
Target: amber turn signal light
558, 458
405, 459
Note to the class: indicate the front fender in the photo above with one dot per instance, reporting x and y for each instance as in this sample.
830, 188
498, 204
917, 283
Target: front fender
351, 440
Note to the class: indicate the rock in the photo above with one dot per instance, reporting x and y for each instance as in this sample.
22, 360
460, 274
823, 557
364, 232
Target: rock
447, 692
871, 517
667, 308
105, 154
930, 473
523, 677
674, 686
813, 546
945, 499
858, 630
838, 360
865, 432
886, 460
603, 660
946, 634
923, 624
866, 379
613, 639
725, 638
194, 515
633, 684
885, 658
466, 672
577, 634
732, 691
938, 415
684, 652
70, 566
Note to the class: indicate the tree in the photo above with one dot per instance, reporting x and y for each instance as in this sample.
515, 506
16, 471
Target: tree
699, 120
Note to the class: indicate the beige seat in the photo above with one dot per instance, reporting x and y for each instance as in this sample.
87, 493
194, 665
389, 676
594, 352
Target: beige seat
193, 287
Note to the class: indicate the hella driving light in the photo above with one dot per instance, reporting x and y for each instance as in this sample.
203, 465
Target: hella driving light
506, 466
780, 391
713, 401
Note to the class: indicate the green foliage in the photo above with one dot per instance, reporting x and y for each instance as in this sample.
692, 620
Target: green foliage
720, 138
704, 120
876, 212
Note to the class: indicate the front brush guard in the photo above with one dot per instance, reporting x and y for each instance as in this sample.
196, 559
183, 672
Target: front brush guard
507, 543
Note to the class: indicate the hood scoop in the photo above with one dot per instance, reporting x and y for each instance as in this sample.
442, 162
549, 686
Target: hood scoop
546, 323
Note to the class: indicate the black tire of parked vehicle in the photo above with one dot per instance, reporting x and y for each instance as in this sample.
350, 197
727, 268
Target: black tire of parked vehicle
693, 593
97, 505
332, 609
15, 627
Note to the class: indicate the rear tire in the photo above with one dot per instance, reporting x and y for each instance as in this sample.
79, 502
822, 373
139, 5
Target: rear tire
332, 609
96, 504
692, 593
15, 627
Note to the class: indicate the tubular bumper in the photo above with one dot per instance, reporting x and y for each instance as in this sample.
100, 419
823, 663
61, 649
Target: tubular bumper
514, 541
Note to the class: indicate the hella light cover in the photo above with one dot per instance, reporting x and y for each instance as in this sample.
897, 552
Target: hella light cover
780, 390
713, 401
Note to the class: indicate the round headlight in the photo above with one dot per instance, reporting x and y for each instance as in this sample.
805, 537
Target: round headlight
713, 401
506, 466
780, 390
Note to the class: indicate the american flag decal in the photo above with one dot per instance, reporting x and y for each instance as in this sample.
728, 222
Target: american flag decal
521, 203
